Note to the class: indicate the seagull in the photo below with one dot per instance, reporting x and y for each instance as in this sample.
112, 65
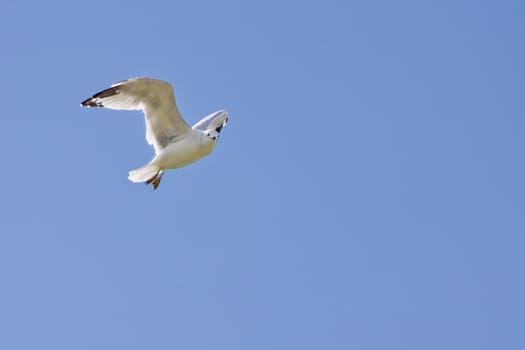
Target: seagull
175, 143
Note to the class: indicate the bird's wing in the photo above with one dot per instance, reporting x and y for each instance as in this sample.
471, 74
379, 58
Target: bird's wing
212, 121
155, 98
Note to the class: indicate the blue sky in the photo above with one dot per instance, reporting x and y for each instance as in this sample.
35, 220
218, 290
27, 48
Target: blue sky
367, 193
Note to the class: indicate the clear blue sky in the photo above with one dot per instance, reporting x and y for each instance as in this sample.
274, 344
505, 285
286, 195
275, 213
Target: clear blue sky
368, 192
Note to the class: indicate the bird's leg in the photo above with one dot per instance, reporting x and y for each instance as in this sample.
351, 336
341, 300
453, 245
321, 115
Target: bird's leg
151, 179
155, 180
156, 183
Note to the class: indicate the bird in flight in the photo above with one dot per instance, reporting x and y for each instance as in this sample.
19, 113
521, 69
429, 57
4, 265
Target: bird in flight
175, 143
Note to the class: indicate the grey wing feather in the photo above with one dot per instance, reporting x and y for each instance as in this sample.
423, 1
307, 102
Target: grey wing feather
155, 98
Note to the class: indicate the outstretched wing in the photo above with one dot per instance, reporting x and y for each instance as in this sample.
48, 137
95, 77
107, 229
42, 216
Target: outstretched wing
155, 98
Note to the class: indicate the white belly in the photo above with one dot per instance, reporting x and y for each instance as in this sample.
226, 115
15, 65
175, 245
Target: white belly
184, 152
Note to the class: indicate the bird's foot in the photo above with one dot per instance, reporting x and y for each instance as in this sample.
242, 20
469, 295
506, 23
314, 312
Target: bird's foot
155, 180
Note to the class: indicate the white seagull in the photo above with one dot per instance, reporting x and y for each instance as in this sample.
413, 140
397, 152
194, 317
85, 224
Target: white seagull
175, 143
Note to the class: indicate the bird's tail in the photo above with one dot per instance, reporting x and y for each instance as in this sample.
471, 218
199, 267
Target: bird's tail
145, 173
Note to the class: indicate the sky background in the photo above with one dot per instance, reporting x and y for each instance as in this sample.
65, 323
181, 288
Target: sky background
367, 193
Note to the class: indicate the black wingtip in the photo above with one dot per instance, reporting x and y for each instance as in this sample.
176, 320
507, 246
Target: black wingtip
90, 103
107, 92
95, 101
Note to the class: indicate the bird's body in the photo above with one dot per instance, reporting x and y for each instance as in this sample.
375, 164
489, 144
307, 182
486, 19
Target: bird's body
175, 143
190, 149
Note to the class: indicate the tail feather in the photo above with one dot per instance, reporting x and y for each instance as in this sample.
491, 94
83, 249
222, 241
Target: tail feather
144, 174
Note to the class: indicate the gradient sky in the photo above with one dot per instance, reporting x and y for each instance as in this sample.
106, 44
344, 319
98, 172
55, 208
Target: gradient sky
368, 192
